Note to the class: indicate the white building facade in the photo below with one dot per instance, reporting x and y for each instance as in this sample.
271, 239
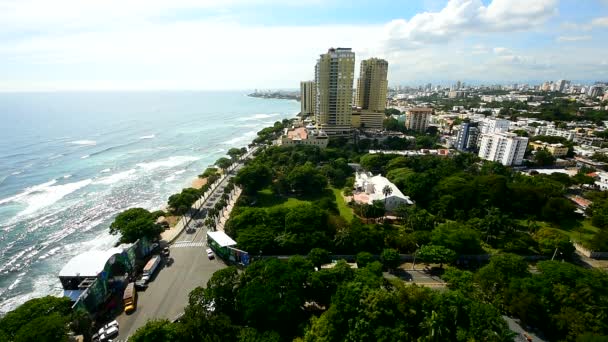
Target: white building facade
369, 188
505, 148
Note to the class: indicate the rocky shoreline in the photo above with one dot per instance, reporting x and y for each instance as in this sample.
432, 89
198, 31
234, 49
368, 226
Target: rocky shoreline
282, 95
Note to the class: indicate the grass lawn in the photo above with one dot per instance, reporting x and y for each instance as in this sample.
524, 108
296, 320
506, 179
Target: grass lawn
578, 230
266, 198
345, 211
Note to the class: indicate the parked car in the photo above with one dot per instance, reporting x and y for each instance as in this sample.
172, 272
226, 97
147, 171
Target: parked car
141, 285
114, 323
108, 334
210, 254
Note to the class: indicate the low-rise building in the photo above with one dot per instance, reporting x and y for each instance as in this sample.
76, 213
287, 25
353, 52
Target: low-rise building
366, 119
557, 150
602, 181
308, 135
369, 188
554, 132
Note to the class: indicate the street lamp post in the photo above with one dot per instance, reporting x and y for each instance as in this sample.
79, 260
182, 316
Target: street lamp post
414, 263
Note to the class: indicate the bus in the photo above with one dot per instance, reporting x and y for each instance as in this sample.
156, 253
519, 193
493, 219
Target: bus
129, 298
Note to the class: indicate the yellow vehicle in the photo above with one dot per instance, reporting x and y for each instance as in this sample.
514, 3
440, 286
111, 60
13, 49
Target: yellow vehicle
129, 298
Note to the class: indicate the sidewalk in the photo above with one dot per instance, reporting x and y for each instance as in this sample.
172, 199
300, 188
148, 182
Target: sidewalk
226, 212
172, 233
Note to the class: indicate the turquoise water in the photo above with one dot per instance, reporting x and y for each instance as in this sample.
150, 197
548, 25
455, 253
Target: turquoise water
69, 162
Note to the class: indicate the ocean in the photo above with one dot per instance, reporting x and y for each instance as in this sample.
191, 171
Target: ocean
70, 161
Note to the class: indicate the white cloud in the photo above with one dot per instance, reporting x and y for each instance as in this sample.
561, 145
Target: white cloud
119, 44
573, 38
501, 51
468, 16
603, 21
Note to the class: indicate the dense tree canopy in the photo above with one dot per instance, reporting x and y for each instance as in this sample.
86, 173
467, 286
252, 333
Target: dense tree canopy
135, 223
39, 319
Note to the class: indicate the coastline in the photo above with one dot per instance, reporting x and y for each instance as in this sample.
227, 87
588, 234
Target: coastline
113, 175
276, 95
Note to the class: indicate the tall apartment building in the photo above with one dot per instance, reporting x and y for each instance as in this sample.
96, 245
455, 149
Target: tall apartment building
417, 119
562, 85
493, 125
334, 74
466, 139
372, 85
370, 98
307, 98
594, 91
505, 148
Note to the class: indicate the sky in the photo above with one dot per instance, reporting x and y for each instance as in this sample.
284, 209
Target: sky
273, 44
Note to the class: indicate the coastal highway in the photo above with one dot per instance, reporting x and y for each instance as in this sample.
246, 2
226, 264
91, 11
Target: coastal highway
167, 293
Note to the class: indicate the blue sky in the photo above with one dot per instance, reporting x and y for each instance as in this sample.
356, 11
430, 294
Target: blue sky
245, 44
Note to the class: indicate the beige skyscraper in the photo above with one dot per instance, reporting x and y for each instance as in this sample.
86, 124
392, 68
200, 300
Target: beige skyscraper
372, 85
307, 97
334, 74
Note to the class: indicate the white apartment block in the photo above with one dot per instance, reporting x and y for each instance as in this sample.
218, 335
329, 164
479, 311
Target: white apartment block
602, 182
505, 148
554, 132
493, 125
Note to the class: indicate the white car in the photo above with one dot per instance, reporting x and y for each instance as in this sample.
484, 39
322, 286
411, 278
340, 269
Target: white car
114, 323
210, 254
108, 333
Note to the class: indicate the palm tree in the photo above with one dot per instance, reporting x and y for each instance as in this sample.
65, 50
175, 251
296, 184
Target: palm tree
387, 191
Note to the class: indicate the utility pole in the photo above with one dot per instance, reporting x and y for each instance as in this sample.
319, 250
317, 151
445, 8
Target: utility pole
414, 263
553, 257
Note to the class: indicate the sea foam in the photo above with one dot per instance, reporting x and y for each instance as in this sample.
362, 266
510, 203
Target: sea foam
115, 178
83, 142
44, 195
167, 163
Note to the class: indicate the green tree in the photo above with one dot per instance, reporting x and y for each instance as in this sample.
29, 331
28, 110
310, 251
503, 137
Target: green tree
33, 314
318, 257
235, 153
363, 259
223, 163
436, 254
457, 237
550, 239
386, 191
155, 331
253, 177
182, 202
544, 158
50, 328
499, 272
390, 258
306, 179
135, 223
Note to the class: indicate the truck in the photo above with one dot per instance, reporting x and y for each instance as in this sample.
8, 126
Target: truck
129, 298
150, 268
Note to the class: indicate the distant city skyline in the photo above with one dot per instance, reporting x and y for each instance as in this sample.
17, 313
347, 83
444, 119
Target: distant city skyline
272, 44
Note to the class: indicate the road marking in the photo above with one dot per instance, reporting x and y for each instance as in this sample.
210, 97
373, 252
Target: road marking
187, 244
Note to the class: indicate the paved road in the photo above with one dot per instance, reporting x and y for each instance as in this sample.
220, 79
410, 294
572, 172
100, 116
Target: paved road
167, 293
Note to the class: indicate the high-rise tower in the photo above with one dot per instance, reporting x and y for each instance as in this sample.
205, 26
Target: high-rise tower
307, 98
334, 74
372, 85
